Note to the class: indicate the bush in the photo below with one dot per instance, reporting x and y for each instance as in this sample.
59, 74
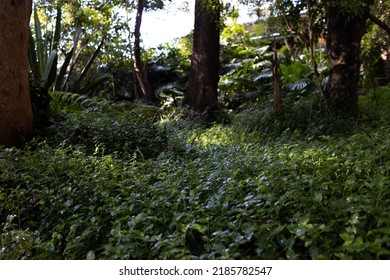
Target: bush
304, 116
106, 128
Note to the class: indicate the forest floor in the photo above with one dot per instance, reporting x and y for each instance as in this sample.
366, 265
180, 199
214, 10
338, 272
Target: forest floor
129, 182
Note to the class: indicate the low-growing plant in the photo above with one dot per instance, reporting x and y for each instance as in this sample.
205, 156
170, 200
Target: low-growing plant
216, 191
104, 128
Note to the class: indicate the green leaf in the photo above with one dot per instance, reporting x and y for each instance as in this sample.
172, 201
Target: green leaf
50, 71
63, 70
318, 197
88, 65
40, 48
95, 83
57, 30
385, 230
68, 58
348, 239
32, 57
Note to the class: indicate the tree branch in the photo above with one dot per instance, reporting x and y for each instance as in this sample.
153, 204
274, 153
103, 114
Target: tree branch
379, 22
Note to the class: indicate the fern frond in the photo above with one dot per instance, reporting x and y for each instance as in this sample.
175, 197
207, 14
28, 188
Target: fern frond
74, 98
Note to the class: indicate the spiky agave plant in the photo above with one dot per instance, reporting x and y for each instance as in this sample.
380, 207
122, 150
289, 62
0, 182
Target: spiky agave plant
43, 59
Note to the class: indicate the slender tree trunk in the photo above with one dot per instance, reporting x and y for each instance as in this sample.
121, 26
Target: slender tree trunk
16, 117
380, 23
201, 94
276, 83
310, 29
139, 68
344, 49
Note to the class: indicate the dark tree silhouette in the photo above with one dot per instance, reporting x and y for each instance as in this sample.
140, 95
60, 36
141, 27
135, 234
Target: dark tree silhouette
344, 35
139, 67
201, 94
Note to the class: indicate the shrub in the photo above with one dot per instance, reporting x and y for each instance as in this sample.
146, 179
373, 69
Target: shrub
106, 129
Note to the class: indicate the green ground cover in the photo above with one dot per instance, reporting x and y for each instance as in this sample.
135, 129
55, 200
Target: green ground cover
118, 182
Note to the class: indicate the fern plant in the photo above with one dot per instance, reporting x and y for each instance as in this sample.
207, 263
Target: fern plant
74, 98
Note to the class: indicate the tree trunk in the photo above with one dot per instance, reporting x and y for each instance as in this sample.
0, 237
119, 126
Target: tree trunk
310, 30
276, 83
201, 94
139, 69
16, 117
344, 36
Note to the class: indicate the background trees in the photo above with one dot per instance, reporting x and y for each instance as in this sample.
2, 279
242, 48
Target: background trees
89, 48
346, 23
15, 107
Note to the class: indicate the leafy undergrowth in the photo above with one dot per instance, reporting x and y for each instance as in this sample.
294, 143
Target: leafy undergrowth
128, 188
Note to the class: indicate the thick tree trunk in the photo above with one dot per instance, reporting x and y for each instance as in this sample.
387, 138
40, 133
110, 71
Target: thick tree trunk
201, 94
139, 69
16, 117
343, 47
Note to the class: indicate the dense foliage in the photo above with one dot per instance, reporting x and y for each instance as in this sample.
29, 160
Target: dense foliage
109, 182
106, 178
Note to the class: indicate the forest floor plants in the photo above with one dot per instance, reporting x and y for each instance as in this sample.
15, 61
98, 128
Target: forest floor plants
206, 191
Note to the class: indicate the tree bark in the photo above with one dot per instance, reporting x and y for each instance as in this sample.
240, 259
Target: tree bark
310, 29
139, 68
275, 76
202, 91
344, 49
16, 117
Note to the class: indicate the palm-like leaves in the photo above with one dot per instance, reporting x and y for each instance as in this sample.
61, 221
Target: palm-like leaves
44, 57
